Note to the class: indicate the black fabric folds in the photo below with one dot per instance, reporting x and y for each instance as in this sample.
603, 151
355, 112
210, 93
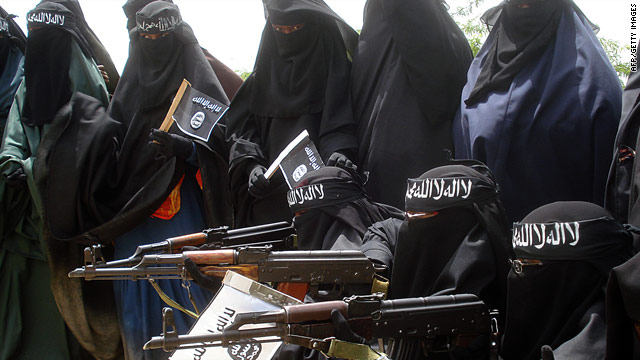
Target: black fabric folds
91, 43
522, 35
622, 190
306, 89
15, 31
550, 304
623, 311
335, 213
47, 82
408, 71
114, 180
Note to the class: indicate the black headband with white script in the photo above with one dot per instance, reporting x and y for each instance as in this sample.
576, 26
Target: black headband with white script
322, 194
52, 18
571, 240
157, 25
433, 194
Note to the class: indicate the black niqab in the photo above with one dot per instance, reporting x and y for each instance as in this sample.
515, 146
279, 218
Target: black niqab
292, 70
550, 303
432, 248
522, 35
462, 249
46, 67
90, 42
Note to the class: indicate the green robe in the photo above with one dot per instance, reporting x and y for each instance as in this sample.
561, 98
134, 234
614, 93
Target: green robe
31, 326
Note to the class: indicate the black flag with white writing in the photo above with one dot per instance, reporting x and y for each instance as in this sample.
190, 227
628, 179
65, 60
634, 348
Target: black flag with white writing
197, 114
301, 160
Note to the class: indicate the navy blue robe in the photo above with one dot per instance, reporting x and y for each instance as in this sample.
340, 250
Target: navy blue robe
550, 136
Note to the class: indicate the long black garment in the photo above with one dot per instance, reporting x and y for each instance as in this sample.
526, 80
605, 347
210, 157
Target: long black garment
462, 249
408, 72
300, 81
623, 311
115, 180
622, 193
561, 300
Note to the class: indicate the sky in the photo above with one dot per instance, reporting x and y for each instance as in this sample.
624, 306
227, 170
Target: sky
231, 29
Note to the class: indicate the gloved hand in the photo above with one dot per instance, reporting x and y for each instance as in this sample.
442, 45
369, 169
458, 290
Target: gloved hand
17, 178
169, 145
341, 160
343, 330
258, 183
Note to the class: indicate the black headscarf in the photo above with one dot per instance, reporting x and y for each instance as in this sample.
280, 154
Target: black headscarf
90, 41
12, 36
291, 74
522, 35
52, 28
130, 9
332, 203
578, 243
15, 31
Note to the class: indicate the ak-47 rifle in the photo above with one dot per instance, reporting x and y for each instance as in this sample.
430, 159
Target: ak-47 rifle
443, 323
334, 268
280, 235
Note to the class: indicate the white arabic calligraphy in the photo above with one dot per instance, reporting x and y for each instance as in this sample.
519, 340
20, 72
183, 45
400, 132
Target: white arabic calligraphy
539, 235
46, 18
306, 193
438, 188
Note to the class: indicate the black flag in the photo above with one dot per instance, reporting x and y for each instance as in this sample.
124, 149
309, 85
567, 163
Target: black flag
197, 114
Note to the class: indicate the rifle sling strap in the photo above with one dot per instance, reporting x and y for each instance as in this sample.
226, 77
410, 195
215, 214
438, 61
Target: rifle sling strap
353, 351
169, 301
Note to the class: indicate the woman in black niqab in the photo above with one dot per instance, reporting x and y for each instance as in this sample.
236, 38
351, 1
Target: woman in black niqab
453, 241
299, 82
339, 220
564, 253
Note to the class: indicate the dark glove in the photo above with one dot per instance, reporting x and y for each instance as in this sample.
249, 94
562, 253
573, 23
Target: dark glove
340, 160
169, 145
207, 282
343, 330
17, 178
258, 183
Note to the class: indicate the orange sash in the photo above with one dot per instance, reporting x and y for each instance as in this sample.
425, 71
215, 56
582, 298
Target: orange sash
171, 204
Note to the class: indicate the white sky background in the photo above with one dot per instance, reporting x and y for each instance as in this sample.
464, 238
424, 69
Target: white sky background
231, 29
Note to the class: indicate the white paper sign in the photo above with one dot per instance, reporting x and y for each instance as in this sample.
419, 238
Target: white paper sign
237, 295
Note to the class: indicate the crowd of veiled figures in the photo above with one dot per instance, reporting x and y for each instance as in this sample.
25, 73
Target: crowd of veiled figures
509, 175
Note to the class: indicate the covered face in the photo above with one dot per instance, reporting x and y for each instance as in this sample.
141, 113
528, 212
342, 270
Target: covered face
293, 32
564, 252
332, 211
